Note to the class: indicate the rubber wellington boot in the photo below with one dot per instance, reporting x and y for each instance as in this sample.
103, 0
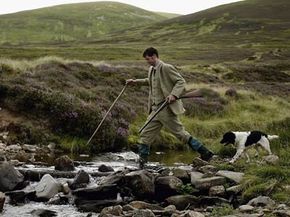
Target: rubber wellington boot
205, 154
143, 152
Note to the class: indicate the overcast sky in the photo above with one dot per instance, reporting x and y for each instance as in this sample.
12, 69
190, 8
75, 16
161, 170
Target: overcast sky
172, 6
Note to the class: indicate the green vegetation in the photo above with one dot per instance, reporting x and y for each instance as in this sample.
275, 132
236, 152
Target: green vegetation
58, 80
71, 22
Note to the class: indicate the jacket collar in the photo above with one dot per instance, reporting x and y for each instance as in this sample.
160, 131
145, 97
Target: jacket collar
158, 64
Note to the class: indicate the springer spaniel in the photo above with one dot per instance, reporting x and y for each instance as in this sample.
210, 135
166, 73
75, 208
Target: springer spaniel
245, 139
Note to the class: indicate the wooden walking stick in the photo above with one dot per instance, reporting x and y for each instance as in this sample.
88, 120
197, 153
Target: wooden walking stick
192, 94
100, 124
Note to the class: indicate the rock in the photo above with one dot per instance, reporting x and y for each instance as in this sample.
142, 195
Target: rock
111, 210
272, 159
128, 207
183, 175
141, 183
181, 201
262, 201
104, 168
143, 213
208, 169
234, 189
218, 190
144, 205
282, 213
205, 201
234, 176
190, 213
94, 205
29, 148
169, 210
103, 192
22, 156
206, 183
65, 188
13, 148
231, 92
2, 201
51, 146
10, 178
81, 180
246, 208
20, 196
195, 176
64, 163
43, 212
59, 199
197, 162
47, 187
167, 186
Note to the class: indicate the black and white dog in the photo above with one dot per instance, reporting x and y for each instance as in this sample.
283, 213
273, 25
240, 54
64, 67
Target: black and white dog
245, 139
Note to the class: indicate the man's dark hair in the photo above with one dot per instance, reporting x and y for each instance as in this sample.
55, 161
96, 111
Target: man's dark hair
150, 52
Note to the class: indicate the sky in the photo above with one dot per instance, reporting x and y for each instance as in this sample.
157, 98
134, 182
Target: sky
170, 6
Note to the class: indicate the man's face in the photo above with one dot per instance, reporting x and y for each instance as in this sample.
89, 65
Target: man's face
151, 60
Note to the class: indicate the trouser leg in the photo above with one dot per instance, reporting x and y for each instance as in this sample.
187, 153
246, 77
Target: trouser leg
147, 137
173, 124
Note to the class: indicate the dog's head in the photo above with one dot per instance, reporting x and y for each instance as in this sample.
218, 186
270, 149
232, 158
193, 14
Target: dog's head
228, 138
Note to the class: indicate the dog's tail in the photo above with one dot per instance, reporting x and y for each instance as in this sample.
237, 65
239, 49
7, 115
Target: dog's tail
270, 137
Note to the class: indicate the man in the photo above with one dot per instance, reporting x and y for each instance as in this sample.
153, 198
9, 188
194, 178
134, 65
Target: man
165, 83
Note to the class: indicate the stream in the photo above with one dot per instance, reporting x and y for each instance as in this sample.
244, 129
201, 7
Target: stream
118, 161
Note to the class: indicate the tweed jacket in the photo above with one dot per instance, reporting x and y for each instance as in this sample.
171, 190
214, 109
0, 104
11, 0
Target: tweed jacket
170, 81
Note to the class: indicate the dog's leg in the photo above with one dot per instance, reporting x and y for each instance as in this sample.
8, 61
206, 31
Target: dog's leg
257, 150
264, 142
248, 158
240, 149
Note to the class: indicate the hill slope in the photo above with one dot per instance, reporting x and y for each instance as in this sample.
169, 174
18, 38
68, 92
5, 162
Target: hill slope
72, 22
254, 20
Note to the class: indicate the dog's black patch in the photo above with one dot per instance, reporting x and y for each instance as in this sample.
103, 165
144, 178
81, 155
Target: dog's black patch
254, 137
228, 138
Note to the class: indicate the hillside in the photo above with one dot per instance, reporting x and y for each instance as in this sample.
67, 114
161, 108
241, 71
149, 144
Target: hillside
249, 21
81, 21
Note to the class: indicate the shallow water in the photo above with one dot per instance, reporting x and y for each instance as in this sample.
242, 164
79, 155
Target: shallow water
90, 164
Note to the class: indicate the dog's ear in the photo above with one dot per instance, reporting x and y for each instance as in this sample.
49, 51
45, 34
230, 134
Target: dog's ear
228, 138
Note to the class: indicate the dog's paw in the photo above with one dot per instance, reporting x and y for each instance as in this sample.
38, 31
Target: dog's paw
231, 161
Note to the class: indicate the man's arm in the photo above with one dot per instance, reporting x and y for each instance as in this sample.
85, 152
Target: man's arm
142, 81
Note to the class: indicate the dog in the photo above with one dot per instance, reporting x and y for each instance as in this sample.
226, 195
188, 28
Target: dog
245, 139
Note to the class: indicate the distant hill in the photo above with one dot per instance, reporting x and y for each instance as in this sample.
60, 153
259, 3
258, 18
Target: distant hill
254, 20
82, 21
168, 15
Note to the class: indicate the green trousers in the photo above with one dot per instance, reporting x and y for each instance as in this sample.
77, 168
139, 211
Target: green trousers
169, 120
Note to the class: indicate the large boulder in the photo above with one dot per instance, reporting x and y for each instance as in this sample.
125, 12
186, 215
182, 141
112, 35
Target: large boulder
141, 183
47, 187
112, 210
233, 176
103, 192
105, 168
206, 183
167, 186
81, 179
143, 213
262, 201
64, 163
181, 201
10, 178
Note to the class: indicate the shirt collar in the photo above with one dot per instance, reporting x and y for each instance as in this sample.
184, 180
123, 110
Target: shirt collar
158, 63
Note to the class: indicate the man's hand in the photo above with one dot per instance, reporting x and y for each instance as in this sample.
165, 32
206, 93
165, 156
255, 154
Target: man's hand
130, 81
171, 98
